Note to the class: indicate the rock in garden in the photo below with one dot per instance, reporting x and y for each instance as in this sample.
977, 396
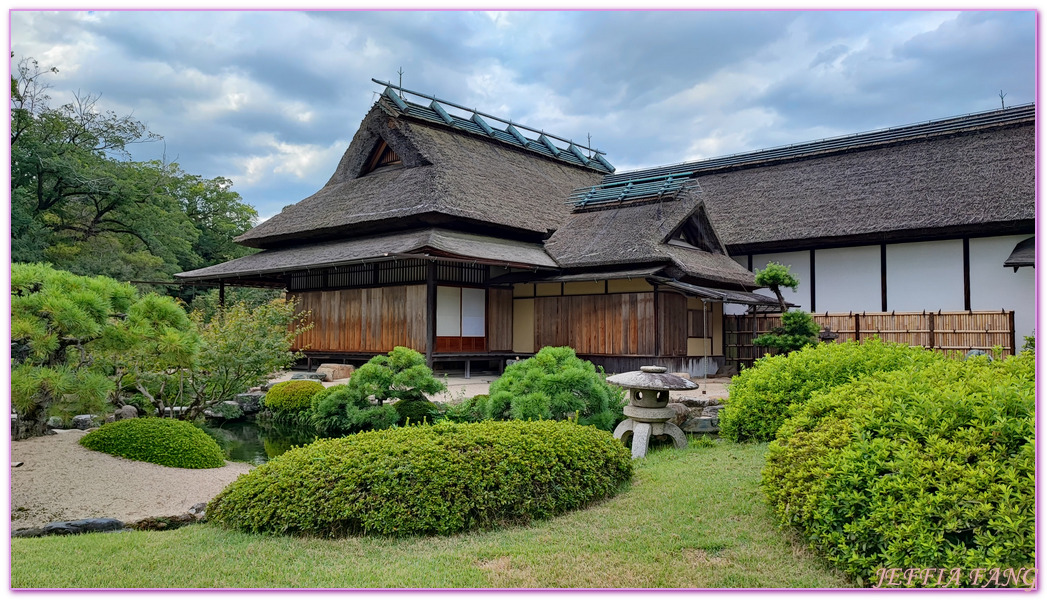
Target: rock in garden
198, 510
163, 523
230, 409
83, 421
313, 376
700, 425
335, 371
55, 423
126, 411
82, 526
250, 402
681, 413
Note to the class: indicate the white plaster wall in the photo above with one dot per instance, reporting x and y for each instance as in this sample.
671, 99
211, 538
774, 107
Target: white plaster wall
847, 279
799, 264
994, 287
925, 276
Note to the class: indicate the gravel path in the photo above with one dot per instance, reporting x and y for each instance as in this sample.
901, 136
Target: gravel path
60, 480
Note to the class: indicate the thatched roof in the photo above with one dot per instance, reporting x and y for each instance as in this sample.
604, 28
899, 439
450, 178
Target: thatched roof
972, 175
430, 242
448, 176
638, 233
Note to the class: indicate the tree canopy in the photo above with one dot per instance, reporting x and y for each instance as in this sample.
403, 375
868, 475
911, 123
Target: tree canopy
80, 203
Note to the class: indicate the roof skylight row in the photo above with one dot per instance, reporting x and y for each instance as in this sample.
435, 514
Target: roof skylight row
494, 127
641, 188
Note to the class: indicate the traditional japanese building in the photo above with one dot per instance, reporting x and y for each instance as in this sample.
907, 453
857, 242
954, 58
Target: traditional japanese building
469, 237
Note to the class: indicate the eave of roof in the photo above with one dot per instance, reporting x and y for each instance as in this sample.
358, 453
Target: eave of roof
1023, 255
426, 243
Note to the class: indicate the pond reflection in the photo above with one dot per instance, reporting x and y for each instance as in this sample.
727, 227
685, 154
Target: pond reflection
254, 442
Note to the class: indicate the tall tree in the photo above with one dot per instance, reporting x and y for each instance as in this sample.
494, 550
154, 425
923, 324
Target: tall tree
81, 203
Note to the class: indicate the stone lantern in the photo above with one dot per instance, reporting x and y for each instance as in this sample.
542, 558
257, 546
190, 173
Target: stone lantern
648, 410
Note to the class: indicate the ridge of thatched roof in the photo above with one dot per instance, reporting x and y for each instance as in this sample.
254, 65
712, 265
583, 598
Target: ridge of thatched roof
638, 233
446, 176
431, 243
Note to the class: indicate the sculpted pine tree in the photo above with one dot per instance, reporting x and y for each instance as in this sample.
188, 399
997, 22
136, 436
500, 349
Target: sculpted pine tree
798, 329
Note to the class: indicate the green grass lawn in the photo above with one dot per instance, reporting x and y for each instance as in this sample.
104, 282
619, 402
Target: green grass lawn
689, 519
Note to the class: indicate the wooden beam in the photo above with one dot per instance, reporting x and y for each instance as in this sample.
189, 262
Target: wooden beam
657, 323
967, 273
430, 313
812, 282
883, 277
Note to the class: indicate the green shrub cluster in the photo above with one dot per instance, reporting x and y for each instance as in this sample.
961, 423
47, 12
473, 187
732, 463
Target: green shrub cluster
761, 398
932, 469
342, 409
292, 396
416, 411
360, 404
167, 442
470, 410
553, 384
430, 479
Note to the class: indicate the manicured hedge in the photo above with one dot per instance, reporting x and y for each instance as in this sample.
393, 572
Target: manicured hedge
167, 442
429, 479
761, 398
903, 470
292, 396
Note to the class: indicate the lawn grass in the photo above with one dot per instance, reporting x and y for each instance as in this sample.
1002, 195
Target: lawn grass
690, 519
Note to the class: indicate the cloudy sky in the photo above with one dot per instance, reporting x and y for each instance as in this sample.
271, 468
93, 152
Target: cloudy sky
271, 99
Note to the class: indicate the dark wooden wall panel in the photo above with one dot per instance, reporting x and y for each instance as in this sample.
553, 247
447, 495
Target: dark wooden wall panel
616, 324
673, 317
364, 320
499, 320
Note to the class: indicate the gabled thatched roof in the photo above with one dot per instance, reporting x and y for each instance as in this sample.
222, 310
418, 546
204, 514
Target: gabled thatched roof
435, 242
638, 233
448, 176
972, 175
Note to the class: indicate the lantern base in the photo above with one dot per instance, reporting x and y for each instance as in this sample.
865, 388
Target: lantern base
641, 432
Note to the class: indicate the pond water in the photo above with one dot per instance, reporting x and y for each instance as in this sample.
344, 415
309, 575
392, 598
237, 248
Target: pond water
256, 443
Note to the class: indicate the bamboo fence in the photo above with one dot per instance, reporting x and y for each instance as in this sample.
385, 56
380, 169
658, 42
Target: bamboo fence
950, 332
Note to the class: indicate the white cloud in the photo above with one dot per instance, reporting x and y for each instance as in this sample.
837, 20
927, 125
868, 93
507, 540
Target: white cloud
301, 161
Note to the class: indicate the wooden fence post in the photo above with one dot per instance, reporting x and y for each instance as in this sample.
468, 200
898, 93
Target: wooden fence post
857, 328
930, 327
1010, 325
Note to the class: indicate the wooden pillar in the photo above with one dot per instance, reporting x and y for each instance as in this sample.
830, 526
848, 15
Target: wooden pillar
657, 323
967, 273
430, 313
1014, 341
221, 294
883, 277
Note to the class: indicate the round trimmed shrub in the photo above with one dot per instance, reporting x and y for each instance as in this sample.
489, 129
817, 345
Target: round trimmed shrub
430, 479
292, 396
167, 442
415, 412
761, 398
554, 384
914, 470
